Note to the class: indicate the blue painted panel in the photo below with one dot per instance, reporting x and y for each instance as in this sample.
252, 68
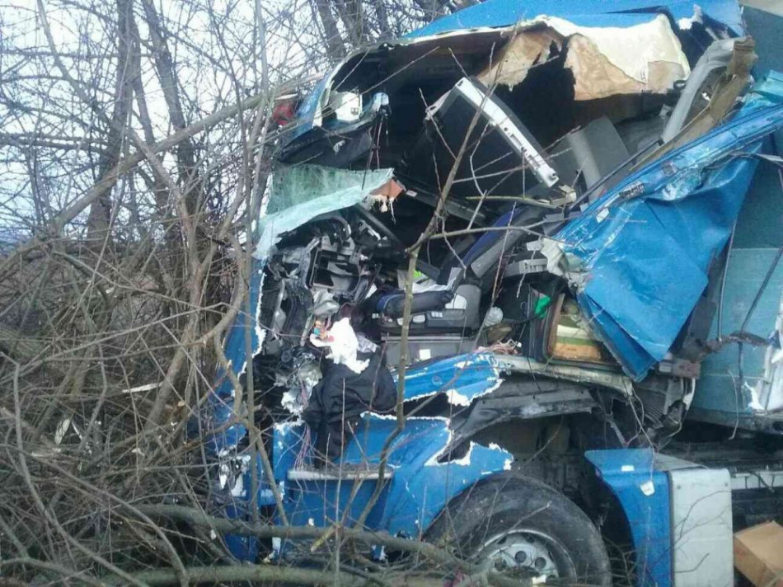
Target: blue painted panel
656, 233
305, 114
500, 13
287, 441
464, 377
421, 486
324, 503
242, 547
644, 292
219, 409
718, 388
643, 493
418, 490
766, 29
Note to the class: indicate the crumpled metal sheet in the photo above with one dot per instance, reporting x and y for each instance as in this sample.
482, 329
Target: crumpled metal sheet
419, 486
639, 255
496, 15
300, 194
501, 13
462, 378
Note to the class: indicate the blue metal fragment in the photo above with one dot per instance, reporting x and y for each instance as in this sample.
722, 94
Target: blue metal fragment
463, 378
640, 254
503, 13
720, 396
643, 493
419, 486
771, 87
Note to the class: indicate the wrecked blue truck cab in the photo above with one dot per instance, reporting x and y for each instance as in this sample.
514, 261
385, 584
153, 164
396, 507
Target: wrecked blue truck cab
580, 289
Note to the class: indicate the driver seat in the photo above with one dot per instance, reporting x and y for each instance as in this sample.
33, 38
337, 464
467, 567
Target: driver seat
451, 303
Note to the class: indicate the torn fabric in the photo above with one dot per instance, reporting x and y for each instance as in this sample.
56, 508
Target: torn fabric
343, 346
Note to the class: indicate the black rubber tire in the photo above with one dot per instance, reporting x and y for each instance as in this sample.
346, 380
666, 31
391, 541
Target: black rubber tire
509, 503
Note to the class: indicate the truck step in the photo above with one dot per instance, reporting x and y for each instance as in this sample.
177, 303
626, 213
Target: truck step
344, 472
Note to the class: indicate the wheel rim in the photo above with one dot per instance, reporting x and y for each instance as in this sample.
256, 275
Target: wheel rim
529, 553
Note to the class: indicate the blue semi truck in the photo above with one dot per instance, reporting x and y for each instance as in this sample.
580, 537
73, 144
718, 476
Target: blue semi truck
563, 361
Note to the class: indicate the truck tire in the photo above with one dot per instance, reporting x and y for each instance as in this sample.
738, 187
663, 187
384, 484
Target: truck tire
523, 528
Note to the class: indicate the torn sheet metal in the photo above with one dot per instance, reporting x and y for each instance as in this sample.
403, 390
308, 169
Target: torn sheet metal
499, 19
298, 194
462, 378
643, 493
605, 61
723, 394
418, 485
608, 379
522, 399
504, 13
723, 99
216, 424
716, 57
638, 256
771, 391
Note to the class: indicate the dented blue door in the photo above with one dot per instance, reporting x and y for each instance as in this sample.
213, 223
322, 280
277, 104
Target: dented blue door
638, 256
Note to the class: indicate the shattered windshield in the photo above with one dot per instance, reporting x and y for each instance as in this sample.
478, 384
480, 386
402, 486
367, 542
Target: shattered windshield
302, 192
306, 184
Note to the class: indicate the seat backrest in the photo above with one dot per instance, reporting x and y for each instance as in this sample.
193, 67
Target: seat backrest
590, 153
484, 254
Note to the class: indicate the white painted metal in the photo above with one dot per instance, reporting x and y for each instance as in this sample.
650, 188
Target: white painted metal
702, 530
